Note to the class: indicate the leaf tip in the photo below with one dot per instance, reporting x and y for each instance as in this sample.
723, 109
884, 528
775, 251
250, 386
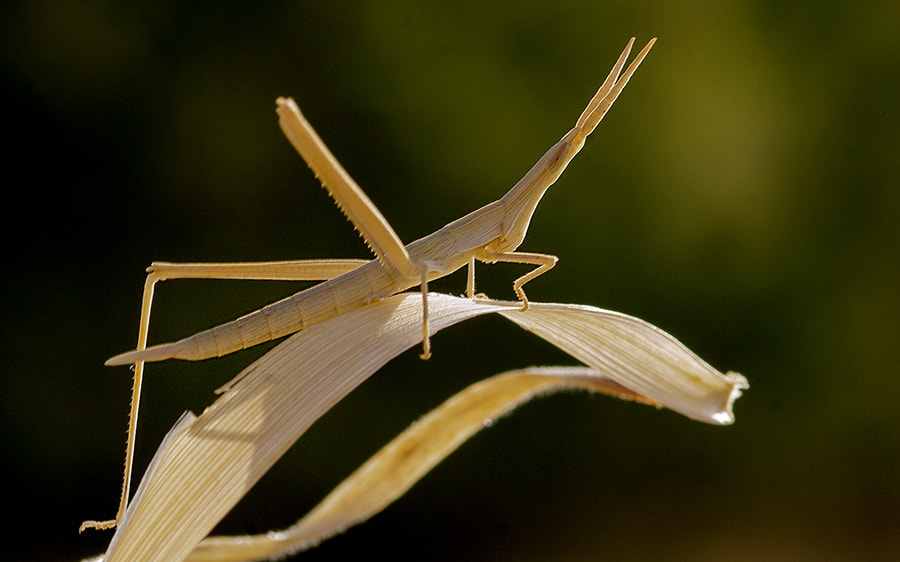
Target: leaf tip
738, 382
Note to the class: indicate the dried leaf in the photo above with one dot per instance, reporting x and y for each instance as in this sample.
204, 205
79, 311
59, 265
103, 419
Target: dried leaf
213, 460
637, 355
398, 466
207, 464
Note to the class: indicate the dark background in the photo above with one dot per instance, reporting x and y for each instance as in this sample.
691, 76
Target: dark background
742, 194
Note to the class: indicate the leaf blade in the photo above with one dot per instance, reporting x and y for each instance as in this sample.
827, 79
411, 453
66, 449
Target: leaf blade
637, 355
212, 462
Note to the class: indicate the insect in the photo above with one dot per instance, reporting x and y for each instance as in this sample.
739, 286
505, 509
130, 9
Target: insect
490, 234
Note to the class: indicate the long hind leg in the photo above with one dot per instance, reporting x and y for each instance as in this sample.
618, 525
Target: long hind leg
299, 270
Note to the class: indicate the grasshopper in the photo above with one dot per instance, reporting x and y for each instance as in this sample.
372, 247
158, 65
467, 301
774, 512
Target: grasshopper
490, 234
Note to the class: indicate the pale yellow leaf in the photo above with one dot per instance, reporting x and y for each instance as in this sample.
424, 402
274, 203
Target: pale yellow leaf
637, 355
396, 467
211, 462
207, 464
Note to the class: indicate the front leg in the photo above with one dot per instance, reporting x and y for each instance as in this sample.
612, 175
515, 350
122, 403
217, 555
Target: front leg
545, 263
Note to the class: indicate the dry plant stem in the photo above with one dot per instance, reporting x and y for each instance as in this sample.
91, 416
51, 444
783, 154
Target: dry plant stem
489, 234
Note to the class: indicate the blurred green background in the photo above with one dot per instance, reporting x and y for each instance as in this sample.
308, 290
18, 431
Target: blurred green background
742, 194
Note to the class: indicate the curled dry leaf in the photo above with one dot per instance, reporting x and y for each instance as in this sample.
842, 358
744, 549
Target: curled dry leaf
637, 355
400, 464
207, 463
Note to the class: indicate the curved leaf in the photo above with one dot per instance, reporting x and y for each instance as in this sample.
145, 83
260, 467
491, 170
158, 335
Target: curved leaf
207, 464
